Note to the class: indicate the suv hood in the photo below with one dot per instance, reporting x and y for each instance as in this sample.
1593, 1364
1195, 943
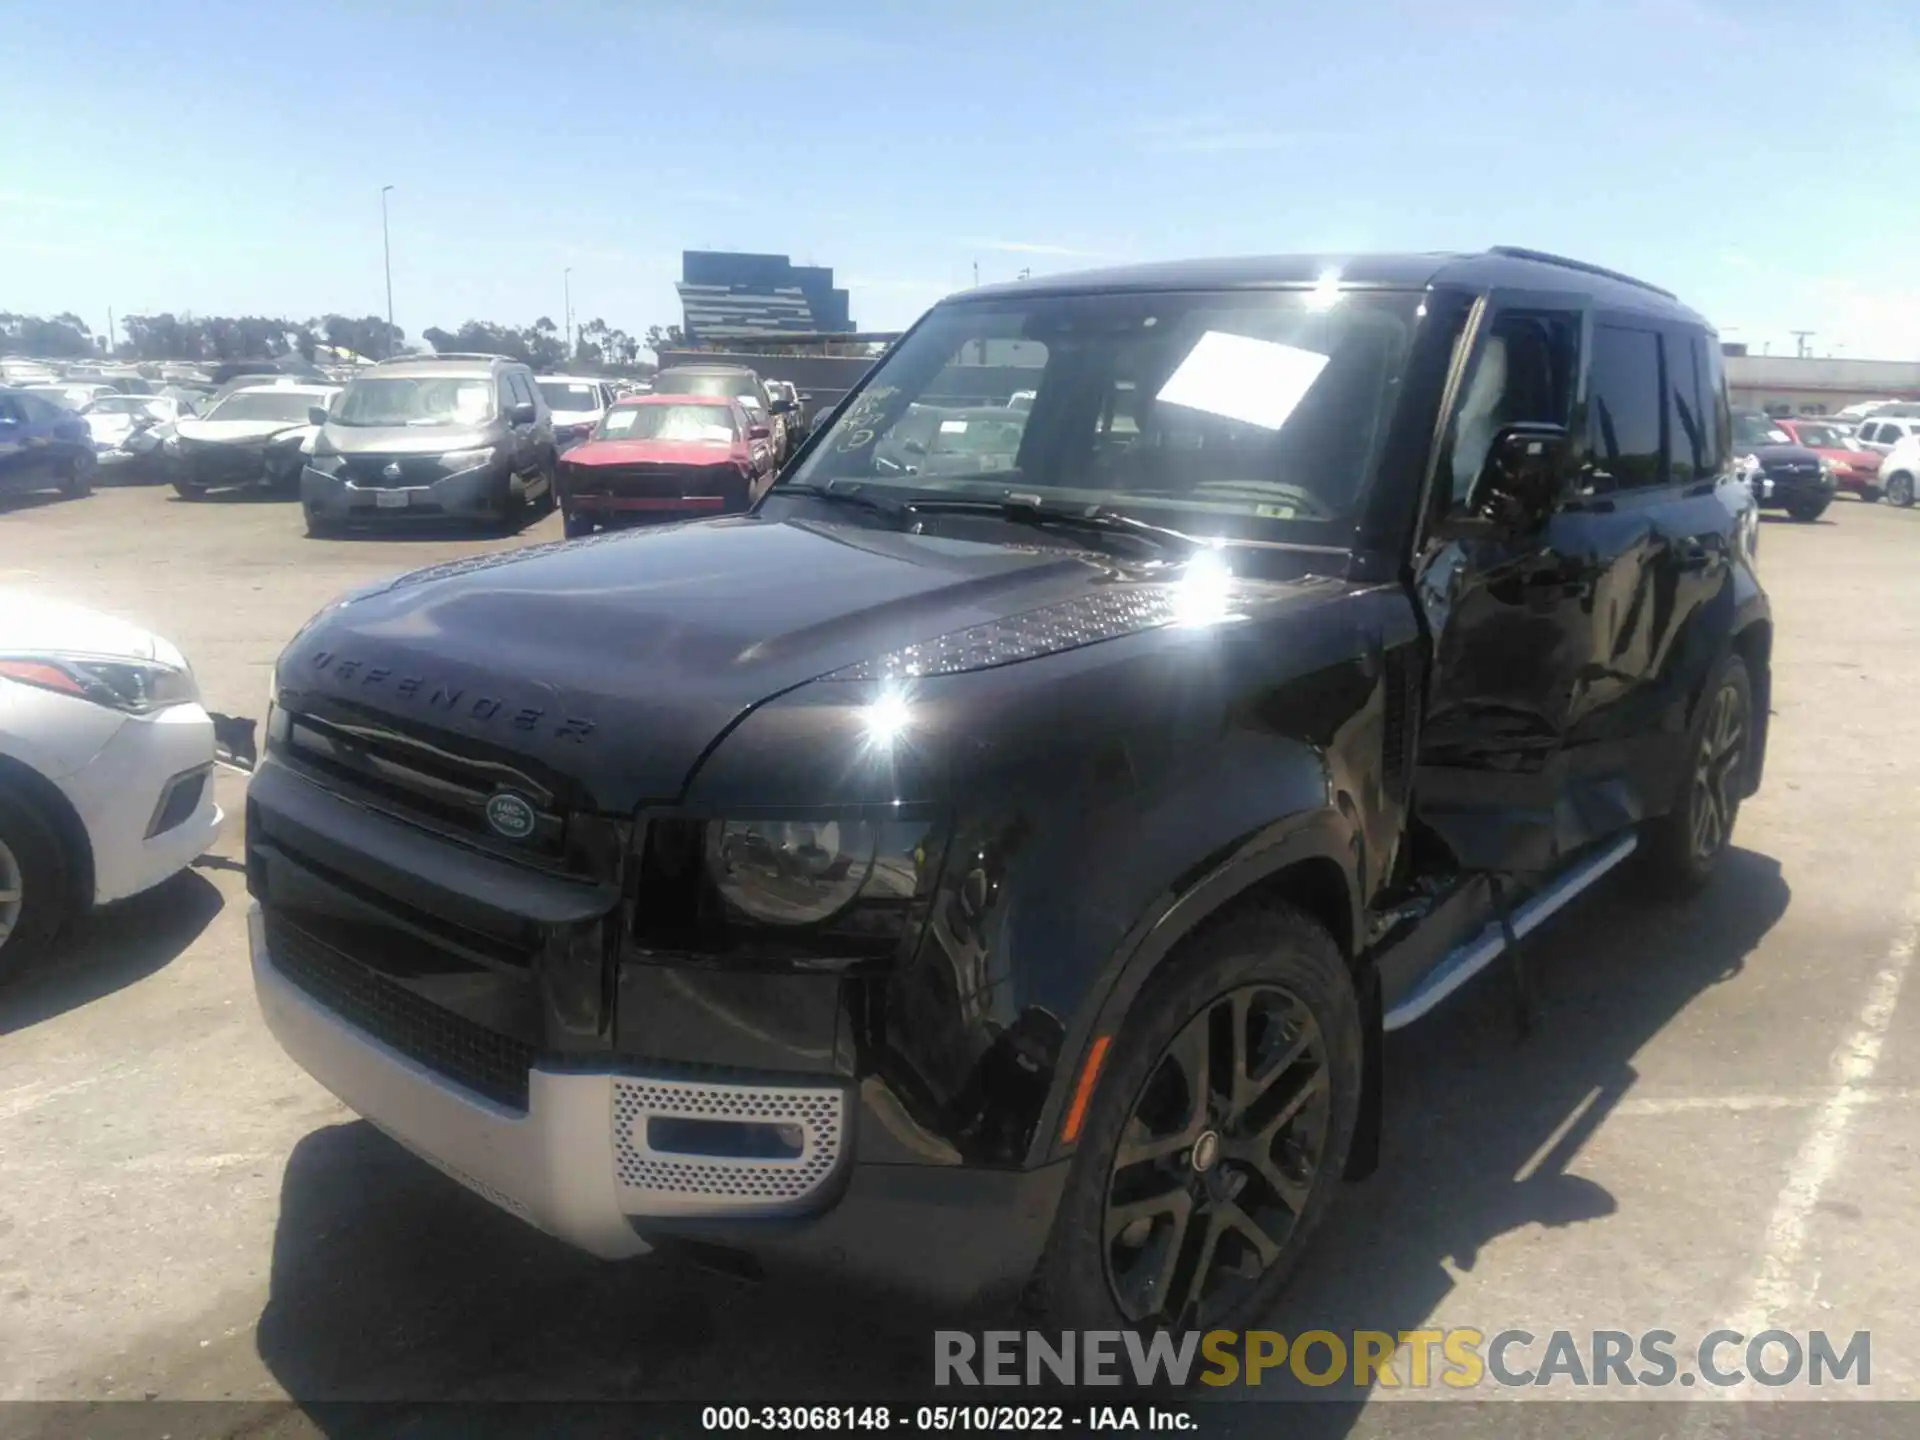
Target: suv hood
30, 622
236, 432
405, 439
617, 660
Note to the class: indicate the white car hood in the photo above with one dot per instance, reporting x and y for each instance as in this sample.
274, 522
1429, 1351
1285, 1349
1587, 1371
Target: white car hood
576, 417
33, 623
233, 430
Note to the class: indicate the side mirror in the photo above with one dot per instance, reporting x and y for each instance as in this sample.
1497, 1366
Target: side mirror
316, 414
522, 413
758, 432
1519, 484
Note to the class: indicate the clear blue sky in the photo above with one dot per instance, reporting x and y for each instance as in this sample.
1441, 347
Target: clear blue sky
1759, 157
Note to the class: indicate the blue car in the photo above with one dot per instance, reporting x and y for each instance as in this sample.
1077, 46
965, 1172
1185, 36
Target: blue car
42, 447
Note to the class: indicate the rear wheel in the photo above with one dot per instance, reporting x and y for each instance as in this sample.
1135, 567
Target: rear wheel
1684, 847
1871, 494
1216, 1138
1900, 489
35, 898
550, 494
76, 477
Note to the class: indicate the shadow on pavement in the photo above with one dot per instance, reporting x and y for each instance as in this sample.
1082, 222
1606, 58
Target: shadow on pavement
112, 948
391, 1283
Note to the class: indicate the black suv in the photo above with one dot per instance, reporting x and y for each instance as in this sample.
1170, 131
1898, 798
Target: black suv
466, 437
1785, 475
983, 878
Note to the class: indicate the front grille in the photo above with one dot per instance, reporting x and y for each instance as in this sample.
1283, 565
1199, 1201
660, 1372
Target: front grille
651, 480
179, 800
369, 472
225, 464
1792, 470
418, 781
482, 1060
673, 1181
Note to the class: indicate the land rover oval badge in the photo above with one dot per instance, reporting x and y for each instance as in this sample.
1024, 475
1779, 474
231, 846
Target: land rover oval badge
510, 816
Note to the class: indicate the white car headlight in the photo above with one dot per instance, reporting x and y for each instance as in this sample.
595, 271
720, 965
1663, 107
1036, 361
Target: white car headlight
135, 687
467, 459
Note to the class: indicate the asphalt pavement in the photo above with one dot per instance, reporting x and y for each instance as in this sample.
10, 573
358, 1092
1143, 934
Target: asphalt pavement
1714, 1123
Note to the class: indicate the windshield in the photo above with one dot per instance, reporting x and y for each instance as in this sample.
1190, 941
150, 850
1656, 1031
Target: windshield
1268, 406
696, 424
416, 400
285, 406
66, 399
568, 395
1822, 437
722, 385
127, 405
1758, 430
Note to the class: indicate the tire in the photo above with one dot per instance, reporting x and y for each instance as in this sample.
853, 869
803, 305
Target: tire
76, 479
1807, 514
511, 513
188, 492
1682, 849
1872, 494
1900, 489
1105, 1268
319, 528
549, 497
34, 871
574, 526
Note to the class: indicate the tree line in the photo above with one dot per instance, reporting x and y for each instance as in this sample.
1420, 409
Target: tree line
216, 338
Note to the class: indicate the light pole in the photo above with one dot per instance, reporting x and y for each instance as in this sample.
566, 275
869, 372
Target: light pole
386, 255
566, 313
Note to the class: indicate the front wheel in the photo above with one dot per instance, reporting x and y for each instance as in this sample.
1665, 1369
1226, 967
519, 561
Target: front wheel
35, 897
1808, 513
1217, 1135
549, 493
76, 478
318, 526
1872, 494
1685, 846
1900, 489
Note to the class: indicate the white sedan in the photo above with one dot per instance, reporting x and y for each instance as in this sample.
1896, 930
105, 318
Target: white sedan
106, 766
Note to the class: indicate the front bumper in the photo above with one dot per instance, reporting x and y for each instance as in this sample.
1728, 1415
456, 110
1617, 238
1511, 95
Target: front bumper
578, 1163
477, 494
121, 794
1784, 490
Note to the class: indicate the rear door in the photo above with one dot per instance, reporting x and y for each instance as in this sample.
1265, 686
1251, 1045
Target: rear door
1559, 653
21, 461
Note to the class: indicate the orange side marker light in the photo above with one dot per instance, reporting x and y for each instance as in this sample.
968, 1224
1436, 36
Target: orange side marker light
1083, 1092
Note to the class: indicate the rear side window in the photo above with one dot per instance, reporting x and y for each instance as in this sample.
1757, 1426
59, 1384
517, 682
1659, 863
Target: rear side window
518, 389
1625, 408
1688, 421
1712, 381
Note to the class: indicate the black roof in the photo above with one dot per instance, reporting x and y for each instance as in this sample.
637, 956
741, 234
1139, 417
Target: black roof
1501, 266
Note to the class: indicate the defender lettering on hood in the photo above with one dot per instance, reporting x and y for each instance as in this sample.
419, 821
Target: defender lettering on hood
450, 700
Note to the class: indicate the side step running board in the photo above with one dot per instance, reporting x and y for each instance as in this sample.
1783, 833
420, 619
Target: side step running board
1470, 958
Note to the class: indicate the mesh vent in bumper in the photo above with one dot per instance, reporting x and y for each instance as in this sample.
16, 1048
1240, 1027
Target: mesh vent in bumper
657, 1182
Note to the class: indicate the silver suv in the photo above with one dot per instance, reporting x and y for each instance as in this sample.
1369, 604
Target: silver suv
431, 438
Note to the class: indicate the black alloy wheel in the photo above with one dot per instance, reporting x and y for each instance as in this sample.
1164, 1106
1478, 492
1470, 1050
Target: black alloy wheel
1719, 773
1217, 1158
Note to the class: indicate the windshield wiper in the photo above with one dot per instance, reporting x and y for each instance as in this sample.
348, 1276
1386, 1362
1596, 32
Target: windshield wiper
1094, 519
895, 510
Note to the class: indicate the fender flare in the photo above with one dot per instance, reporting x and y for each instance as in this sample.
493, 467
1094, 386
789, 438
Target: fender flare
1312, 836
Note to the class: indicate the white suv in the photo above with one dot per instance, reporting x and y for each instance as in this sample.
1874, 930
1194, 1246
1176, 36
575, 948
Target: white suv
1883, 433
1900, 470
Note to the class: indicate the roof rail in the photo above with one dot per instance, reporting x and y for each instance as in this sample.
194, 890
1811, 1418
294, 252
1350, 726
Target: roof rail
445, 355
1520, 252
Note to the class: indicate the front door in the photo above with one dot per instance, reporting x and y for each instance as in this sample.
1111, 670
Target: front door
1560, 653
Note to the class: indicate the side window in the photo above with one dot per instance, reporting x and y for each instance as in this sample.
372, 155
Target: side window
518, 391
1712, 381
1625, 412
1524, 373
1687, 421
1870, 431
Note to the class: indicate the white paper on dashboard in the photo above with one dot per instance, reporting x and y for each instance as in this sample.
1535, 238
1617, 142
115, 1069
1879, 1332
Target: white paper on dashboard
1258, 382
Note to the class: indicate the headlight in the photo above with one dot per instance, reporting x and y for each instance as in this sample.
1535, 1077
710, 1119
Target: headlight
136, 687
467, 459
790, 872
326, 464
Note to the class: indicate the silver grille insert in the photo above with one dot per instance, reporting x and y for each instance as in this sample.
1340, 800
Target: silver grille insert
659, 1182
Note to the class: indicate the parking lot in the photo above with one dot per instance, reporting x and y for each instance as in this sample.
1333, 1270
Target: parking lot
1716, 1120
